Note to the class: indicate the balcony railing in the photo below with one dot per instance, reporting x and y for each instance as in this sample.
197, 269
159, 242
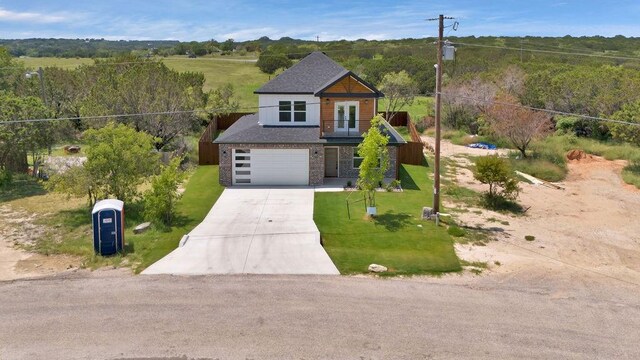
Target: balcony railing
344, 128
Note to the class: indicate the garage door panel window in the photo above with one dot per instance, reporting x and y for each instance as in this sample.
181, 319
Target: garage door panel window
242, 165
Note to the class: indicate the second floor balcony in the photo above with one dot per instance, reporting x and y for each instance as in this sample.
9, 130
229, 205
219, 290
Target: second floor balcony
344, 127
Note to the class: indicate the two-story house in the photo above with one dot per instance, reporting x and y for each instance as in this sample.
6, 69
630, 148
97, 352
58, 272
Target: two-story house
308, 126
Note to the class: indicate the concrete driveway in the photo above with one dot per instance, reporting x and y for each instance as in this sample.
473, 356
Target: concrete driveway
253, 231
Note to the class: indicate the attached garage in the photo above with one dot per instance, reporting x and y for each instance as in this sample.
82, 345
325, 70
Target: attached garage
270, 166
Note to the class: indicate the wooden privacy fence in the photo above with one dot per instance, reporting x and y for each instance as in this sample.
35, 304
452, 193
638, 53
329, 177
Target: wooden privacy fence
401, 118
412, 152
208, 152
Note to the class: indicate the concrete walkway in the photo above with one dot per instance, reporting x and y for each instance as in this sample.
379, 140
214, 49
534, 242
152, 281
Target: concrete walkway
253, 231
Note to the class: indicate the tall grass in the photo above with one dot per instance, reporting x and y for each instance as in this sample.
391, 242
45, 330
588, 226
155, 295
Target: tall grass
631, 174
555, 148
610, 150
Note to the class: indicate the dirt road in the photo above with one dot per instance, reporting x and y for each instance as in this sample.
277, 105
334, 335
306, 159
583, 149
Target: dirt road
586, 233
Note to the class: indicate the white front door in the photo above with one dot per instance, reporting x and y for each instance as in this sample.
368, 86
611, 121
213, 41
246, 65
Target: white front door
270, 167
346, 115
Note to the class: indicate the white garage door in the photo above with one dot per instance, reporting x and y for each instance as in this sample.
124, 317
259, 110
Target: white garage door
271, 166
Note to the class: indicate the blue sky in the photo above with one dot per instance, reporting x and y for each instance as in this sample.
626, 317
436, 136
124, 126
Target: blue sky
329, 19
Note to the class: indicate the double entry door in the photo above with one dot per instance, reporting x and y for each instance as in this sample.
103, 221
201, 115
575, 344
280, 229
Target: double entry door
346, 116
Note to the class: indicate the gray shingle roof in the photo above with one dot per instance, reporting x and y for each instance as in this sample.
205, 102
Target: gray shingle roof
305, 77
247, 130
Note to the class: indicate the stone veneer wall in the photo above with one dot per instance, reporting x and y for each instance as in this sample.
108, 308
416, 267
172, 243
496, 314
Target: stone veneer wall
316, 159
345, 158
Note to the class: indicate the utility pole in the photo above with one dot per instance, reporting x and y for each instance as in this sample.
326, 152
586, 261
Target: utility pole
436, 162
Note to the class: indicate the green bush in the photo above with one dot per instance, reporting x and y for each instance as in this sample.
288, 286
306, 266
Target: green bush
160, 201
573, 125
497, 173
5, 178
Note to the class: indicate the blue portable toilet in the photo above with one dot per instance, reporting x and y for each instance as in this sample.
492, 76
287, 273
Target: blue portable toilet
108, 226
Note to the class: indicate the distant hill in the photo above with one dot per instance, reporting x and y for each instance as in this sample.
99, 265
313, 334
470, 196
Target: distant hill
296, 48
81, 47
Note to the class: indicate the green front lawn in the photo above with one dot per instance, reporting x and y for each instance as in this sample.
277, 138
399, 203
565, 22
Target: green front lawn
393, 238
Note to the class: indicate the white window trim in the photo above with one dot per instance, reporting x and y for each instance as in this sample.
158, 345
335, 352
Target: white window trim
354, 150
354, 157
346, 104
293, 111
281, 111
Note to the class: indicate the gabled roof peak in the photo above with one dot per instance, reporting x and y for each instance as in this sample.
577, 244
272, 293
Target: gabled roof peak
305, 77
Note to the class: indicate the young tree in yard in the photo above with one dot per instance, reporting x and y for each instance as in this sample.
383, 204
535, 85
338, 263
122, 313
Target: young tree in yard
497, 173
269, 62
399, 90
375, 159
507, 118
118, 160
160, 201
75, 181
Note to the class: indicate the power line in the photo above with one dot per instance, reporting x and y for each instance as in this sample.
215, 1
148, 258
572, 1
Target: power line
551, 111
444, 94
173, 112
551, 51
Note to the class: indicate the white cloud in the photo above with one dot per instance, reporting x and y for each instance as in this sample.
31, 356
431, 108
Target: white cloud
34, 17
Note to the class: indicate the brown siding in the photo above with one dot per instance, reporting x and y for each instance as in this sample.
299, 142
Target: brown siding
327, 112
348, 85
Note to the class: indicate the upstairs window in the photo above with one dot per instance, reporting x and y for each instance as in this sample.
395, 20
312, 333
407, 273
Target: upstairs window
285, 111
296, 111
300, 111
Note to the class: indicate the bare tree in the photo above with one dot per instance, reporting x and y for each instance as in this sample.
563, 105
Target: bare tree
464, 101
513, 81
518, 124
400, 90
